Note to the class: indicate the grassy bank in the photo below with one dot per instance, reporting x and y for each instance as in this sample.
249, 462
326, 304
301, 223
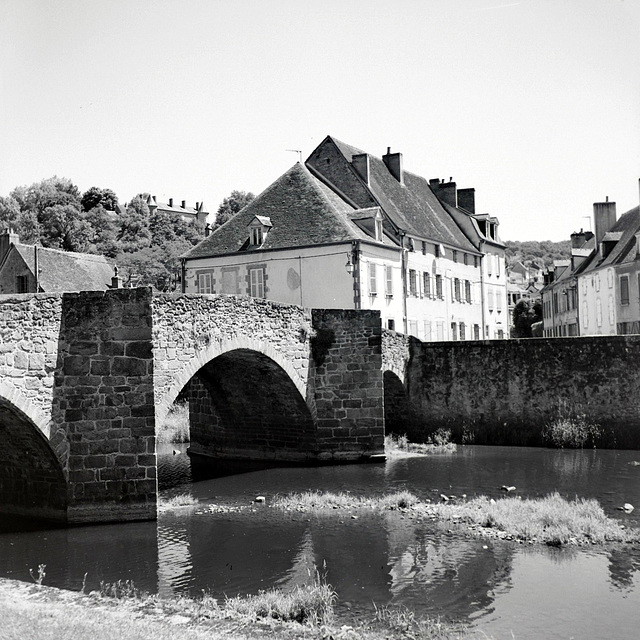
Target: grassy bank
551, 520
44, 613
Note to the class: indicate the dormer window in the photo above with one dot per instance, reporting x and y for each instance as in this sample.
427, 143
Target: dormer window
378, 225
258, 229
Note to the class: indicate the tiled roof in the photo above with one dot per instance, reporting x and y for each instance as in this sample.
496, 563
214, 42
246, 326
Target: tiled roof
302, 210
412, 206
67, 271
624, 250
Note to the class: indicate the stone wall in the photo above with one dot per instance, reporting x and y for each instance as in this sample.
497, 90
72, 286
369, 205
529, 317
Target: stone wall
191, 330
346, 383
103, 401
505, 392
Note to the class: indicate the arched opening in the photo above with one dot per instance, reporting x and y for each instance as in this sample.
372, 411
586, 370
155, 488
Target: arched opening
243, 405
400, 416
32, 483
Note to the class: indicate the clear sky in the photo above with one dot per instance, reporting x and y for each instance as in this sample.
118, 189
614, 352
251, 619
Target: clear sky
535, 103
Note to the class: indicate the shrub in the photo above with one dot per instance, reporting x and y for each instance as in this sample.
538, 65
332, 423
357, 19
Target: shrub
175, 428
570, 431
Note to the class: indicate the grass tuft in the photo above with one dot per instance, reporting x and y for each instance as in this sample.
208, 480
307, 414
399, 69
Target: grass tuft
322, 502
570, 430
551, 520
399, 445
180, 501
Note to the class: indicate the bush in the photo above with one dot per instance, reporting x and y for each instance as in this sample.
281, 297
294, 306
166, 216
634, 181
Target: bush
175, 428
570, 431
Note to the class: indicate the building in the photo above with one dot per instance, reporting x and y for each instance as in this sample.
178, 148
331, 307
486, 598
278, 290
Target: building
598, 291
197, 214
33, 269
346, 229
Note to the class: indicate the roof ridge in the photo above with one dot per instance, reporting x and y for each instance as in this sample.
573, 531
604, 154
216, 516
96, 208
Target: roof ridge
98, 256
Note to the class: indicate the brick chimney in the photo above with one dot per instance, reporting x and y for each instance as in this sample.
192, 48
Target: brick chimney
360, 163
184, 202
171, 202
604, 217
445, 191
393, 162
467, 199
7, 238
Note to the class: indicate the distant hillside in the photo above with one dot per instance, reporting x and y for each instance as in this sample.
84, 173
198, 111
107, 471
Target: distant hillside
542, 252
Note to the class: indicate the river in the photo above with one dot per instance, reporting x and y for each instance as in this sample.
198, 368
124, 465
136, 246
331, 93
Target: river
497, 586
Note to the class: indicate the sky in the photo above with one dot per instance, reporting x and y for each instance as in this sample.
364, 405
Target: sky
534, 103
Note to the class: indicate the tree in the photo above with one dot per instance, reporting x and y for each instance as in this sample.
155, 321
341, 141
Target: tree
47, 193
231, 205
105, 229
134, 226
95, 197
524, 315
62, 227
9, 212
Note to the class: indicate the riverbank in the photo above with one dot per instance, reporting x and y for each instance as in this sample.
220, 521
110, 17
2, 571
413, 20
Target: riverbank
39, 612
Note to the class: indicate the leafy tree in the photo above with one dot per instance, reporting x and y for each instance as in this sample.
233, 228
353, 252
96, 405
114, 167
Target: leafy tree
95, 196
134, 226
47, 193
105, 228
543, 252
231, 205
62, 227
9, 212
524, 315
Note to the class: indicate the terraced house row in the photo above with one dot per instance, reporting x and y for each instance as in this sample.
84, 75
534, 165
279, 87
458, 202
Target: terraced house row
597, 292
346, 229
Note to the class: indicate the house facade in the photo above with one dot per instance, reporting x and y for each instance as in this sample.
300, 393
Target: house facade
349, 230
598, 291
33, 269
197, 214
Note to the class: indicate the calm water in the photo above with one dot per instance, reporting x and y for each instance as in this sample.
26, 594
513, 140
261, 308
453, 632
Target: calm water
388, 559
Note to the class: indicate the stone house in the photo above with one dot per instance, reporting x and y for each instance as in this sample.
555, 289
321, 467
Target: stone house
197, 214
346, 229
33, 269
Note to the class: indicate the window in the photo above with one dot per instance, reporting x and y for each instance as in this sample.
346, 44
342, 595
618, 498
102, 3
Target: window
610, 278
440, 330
22, 284
599, 312
499, 301
256, 279
439, 286
454, 333
489, 263
456, 289
455, 256
256, 236
391, 324
413, 328
424, 248
373, 283
413, 289
597, 282
230, 281
624, 290
465, 257
467, 290
585, 314
427, 330
476, 332
437, 250
462, 331
426, 284
490, 298
612, 310
204, 283
475, 261
497, 259
388, 281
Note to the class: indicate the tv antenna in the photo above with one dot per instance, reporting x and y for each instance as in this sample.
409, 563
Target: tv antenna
298, 152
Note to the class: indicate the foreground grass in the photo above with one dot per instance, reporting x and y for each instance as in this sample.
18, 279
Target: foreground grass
44, 613
552, 520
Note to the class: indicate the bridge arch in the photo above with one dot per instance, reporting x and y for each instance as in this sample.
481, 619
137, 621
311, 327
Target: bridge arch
243, 404
32, 478
216, 349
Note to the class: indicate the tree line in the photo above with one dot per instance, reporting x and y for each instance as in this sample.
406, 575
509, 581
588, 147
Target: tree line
145, 245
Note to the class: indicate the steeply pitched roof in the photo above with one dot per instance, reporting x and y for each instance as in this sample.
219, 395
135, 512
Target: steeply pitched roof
412, 206
302, 210
67, 271
623, 234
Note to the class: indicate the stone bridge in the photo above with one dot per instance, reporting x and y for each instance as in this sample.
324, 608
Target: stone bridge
85, 378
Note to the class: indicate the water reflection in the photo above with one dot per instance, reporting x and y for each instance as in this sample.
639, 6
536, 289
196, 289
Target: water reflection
382, 559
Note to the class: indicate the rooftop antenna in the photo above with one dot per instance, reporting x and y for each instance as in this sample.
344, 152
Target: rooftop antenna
298, 152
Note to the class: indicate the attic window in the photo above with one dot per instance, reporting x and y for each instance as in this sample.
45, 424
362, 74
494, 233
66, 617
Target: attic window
257, 236
379, 229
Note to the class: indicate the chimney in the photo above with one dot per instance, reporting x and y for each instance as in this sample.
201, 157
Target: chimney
445, 191
604, 217
197, 206
580, 238
7, 238
467, 199
393, 161
171, 202
360, 163
184, 202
